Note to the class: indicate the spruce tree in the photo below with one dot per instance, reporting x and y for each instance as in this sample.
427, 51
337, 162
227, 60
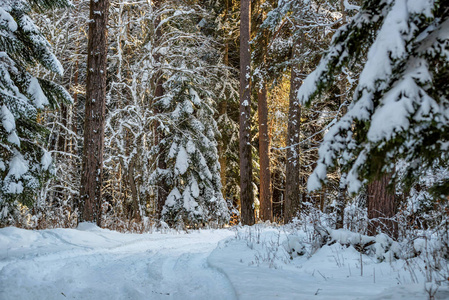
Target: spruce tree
193, 171
190, 66
246, 188
24, 162
399, 111
95, 110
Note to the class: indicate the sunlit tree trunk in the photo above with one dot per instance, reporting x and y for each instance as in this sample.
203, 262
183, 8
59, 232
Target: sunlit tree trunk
92, 168
246, 189
292, 194
222, 110
266, 210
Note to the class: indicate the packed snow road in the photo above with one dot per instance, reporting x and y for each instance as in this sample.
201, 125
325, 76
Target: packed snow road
245, 263
100, 264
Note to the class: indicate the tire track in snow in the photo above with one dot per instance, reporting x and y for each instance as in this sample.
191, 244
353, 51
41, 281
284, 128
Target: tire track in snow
148, 267
188, 276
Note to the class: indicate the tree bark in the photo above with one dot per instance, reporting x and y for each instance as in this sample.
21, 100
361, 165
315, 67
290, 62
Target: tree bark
341, 199
266, 209
73, 148
92, 169
292, 193
222, 108
134, 193
246, 189
382, 207
340, 208
163, 188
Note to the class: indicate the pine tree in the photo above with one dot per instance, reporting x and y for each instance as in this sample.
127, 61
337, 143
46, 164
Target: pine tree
246, 188
24, 162
192, 160
93, 148
191, 71
226, 29
399, 109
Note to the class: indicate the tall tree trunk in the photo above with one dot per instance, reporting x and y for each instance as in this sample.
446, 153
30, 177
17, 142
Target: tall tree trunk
92, 169
134, 193
136, 213
246, 189
266, 207
341, 199
292, 193
222, 110
73, 165
61, 145
163, 188
382, 207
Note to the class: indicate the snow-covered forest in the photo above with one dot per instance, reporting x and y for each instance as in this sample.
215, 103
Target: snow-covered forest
235, 149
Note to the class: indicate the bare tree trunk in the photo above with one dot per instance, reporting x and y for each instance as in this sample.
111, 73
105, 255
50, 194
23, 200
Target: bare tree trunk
92, 169
340, 208
134, 193
222, 110
163, 188
61, 145
266, 209
73, 149
382, 207
135, 204
222, 147
246, 189
341, 199
292, 193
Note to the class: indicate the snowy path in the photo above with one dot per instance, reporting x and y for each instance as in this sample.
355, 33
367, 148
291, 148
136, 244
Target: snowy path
64, 264
251, 263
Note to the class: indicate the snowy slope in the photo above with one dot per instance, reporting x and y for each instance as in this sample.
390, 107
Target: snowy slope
246, 263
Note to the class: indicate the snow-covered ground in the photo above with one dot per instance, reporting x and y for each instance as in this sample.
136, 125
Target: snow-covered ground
245, 263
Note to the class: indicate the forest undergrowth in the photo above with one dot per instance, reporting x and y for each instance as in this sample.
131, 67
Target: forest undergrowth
422, 252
